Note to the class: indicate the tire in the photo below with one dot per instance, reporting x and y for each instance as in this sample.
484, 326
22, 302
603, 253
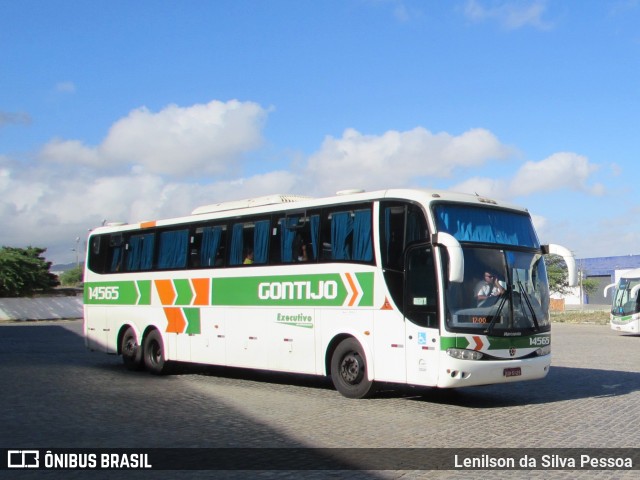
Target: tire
131, 351
349, 370
153, 353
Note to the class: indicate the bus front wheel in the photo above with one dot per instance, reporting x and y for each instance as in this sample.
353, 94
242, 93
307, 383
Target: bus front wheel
131, 351
349, 370
154, 358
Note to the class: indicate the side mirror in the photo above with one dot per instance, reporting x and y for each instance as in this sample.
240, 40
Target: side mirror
456, 258
607, 288
569, 259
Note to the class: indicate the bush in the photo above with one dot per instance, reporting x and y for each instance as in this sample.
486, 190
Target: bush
24, 271
72, 278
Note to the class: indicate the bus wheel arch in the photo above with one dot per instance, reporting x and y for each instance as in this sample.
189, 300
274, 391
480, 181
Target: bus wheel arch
153, 353
349, 368
130, 348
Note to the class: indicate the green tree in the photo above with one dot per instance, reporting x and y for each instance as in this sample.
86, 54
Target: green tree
72, 277
557, 274
24, 271
589, 285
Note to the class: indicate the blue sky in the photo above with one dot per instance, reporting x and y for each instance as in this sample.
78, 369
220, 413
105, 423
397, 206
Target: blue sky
131, 111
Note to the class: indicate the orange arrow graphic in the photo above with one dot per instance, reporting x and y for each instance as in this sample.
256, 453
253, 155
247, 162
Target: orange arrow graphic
479, 343
175, 320
354, 290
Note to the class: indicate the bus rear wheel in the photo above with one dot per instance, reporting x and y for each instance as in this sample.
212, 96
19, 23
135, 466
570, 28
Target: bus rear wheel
154, 359
349, 370
131, 351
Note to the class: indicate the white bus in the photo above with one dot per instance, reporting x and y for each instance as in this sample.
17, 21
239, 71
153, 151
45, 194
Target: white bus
625, 309
363, 287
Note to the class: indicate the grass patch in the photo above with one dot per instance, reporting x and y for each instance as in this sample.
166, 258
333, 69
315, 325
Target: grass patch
597, 317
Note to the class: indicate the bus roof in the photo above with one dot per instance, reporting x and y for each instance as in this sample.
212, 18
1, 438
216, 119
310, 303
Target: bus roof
248, 203
283, 202
635, 273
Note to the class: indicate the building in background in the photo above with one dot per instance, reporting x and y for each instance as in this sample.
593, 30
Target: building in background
605, 270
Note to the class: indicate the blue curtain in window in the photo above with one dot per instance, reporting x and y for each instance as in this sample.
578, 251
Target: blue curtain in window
315, 230
486, 225
235, 256
415, 226
341, 227
261, 241
116, 259
211, 237
173, 249
140, 256
288, 234
362, 247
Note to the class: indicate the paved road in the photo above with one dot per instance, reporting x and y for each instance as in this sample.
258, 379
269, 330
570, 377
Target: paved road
55, 394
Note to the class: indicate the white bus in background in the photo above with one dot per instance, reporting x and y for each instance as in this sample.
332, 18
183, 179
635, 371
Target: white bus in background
625, 309
362, 287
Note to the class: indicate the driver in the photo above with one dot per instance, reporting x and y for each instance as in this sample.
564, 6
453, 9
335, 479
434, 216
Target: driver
488, 290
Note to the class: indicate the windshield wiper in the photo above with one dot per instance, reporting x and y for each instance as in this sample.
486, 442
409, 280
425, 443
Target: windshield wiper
503, 300
528, 302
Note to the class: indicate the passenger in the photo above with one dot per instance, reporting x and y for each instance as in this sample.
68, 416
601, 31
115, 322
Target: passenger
248, 259
299, 249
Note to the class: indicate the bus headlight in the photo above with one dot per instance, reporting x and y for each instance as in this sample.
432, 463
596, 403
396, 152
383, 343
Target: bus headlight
546, 350
462, 354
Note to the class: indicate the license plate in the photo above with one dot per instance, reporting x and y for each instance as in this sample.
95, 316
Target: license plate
512, 372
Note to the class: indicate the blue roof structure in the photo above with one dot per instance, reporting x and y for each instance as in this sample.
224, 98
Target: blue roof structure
598, 267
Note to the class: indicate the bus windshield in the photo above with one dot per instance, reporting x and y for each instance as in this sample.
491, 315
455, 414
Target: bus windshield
625, 301
486, 225
505, 293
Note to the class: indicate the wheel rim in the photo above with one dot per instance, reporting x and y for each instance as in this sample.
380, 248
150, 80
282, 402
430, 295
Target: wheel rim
352, 368
130, 348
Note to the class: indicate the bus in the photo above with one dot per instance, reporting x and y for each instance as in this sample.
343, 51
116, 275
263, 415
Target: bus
625, 309
366, 288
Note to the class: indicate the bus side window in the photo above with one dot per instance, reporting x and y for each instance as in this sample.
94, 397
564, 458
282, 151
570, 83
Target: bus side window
173, 248
250, 243
140, 252
98, 253
347, 235
401, 223
421, 294
298, 240
207, 246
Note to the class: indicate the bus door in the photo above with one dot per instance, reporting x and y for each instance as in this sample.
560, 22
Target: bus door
422, 335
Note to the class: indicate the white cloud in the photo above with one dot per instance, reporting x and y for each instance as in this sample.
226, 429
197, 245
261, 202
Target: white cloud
70, 152
485, 187
397, 158
189, 142
511, 14
559, 172
563, 170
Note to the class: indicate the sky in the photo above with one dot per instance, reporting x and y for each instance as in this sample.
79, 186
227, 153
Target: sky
131, 111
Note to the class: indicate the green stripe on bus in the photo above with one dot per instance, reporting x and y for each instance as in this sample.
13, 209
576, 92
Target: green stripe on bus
118, 293
497, 343
318, 290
